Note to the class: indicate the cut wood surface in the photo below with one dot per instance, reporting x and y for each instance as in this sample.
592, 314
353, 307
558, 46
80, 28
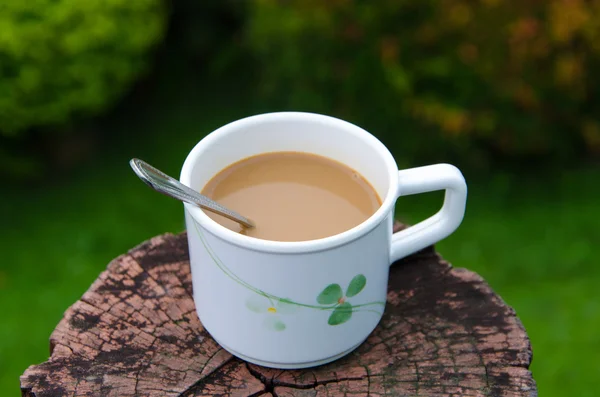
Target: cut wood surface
135, 332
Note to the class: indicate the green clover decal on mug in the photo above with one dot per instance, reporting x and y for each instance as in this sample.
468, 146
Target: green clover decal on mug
333, 295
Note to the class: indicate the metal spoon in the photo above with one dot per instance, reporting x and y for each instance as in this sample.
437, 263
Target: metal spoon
164, 184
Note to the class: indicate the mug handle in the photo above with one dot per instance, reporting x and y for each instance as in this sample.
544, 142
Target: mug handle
435, 228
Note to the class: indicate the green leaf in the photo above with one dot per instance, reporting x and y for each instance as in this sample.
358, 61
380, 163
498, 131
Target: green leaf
286, 306
341, 314
279, 326
330, 295
274, 323
257, 304
356, 285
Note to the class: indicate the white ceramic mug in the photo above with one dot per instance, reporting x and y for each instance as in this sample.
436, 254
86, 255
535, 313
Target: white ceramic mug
301, 304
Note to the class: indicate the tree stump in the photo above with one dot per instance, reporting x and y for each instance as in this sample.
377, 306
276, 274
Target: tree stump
135, 333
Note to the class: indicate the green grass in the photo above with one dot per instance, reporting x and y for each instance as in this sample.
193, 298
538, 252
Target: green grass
532, 238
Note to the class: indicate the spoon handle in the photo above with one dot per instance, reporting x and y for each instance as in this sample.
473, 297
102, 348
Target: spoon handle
165, 184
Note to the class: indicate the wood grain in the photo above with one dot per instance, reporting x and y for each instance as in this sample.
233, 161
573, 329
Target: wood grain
135, 333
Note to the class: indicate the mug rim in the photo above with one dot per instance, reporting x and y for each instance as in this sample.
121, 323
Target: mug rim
290, 247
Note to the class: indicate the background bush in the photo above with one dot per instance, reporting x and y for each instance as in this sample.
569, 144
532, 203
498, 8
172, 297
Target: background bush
207, 32
482, 80
64, 61
61, 60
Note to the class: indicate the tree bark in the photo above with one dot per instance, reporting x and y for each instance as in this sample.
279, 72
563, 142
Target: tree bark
135, 333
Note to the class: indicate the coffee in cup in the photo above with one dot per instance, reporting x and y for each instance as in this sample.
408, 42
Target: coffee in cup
293, 196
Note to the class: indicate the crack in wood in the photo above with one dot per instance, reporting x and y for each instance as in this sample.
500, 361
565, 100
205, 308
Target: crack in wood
210, 357
272, 383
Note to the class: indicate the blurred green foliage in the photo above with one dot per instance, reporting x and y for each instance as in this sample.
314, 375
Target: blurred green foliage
484, 79
207, 30
63, 60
